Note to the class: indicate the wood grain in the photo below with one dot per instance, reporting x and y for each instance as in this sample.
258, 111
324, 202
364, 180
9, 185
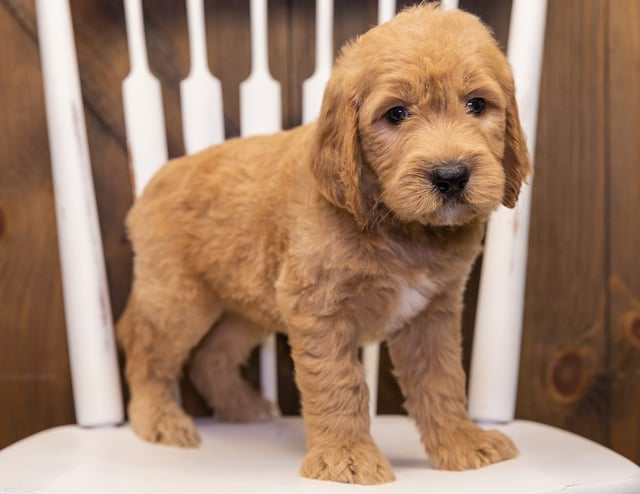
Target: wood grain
624, 227
35, 388
563, 379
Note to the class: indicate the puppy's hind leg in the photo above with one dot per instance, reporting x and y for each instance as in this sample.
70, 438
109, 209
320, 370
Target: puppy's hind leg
215, 371
164, 319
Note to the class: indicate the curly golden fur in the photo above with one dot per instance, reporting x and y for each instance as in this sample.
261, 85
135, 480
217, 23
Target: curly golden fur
360, 227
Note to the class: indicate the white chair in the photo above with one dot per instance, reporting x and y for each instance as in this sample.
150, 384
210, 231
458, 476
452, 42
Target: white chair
97, 456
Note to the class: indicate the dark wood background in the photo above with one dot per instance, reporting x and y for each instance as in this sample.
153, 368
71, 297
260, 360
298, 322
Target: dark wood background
580, 365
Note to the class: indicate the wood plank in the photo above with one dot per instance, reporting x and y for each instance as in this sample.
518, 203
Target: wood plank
351, 19
563, 378
624, 228
495, 13
300, 48
35, 387
229, 46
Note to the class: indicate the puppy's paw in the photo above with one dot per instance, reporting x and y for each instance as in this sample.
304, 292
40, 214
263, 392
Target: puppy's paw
354, 464
248, 409
164, 423
471, 447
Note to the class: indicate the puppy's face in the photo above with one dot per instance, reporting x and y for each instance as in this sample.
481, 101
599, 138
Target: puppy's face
420, 116
432, 130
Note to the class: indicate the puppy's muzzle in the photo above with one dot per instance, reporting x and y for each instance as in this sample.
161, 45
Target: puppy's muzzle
450, 179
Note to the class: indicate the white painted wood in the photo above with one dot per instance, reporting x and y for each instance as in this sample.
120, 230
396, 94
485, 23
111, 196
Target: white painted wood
260, 98
200, 92
269, 368
92, 351
142, 98
386, 10
371, 351
261, 113
313, 87
449, 4
265, 458
371, 363
495, 358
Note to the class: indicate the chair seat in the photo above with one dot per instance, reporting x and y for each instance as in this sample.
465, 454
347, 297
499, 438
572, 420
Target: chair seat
265, 458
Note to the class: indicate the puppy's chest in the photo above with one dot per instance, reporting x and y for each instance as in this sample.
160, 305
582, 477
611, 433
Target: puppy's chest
411, 297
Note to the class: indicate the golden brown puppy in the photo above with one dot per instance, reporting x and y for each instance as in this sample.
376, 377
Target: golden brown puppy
360, 227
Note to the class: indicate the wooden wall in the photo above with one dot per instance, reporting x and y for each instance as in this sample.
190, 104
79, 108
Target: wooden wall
581, 346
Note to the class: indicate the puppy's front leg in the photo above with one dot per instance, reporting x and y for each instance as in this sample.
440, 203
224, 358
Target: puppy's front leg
335, 405
426, 355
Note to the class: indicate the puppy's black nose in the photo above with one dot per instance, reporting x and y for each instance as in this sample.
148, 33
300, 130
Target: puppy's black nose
450, 178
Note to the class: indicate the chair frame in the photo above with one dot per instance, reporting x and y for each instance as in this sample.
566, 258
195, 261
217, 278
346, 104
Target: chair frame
493, 378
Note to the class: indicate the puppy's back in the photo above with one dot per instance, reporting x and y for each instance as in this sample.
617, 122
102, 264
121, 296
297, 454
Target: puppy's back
222, 214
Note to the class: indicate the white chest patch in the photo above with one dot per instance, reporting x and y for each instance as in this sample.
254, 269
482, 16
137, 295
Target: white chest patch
411, 299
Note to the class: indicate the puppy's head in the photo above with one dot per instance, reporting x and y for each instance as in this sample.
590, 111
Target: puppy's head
419, 119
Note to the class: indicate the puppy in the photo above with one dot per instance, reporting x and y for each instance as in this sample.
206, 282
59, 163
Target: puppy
360, 227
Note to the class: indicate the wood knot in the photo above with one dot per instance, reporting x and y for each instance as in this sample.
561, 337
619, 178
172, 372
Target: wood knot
631, 324
568, 376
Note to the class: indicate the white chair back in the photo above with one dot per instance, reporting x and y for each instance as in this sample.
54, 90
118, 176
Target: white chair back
495, 358
92, 351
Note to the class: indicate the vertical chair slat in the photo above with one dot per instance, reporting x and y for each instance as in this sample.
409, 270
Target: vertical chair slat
371, 351
449, 4
371, 363
386, 10
260, 98
313, 87
92, 352
496, 346
261, 113
200, 92
269, 368
142, 97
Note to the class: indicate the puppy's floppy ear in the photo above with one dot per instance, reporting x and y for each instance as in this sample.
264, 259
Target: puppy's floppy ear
336, 156
516, 158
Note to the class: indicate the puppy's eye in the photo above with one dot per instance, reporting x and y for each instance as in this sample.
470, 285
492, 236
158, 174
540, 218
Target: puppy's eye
397, 114
476, 106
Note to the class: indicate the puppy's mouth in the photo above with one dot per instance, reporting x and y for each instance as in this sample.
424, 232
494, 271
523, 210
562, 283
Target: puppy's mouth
454, 210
